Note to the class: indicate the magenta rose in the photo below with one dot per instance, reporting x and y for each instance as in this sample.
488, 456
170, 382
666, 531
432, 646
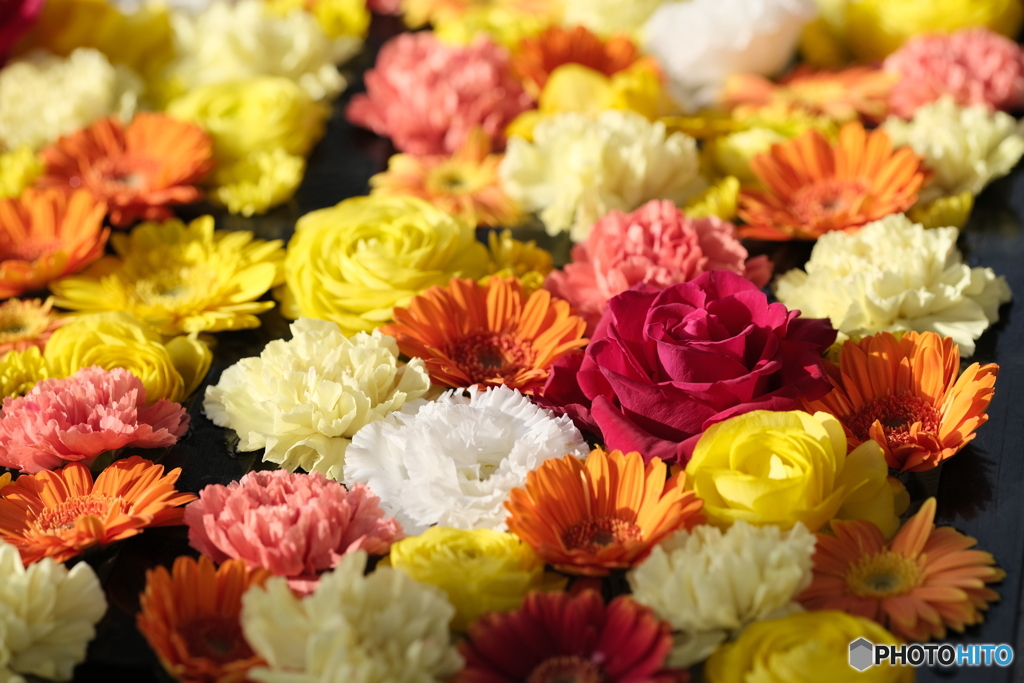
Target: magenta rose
664, 365
16, 18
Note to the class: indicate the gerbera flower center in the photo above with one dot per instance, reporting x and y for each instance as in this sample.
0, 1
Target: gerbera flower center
119, 174
822, 200
186, 288
569, 669
22, 320
884, 574
488, 355
62, 517
896, 414
216, 638
592, 535
450, 178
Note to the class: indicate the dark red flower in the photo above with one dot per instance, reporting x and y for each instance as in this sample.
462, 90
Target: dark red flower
16, 18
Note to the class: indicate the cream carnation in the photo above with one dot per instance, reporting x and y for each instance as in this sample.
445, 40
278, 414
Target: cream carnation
381, 628
894, 275
453, 462
303, 400
710, 585
609, 17
578, 168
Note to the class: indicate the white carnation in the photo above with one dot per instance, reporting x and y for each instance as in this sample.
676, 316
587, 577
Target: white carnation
580, 167
894, 275
710, 585
381, 628
700, 43
454, 462
302, 400
609, 17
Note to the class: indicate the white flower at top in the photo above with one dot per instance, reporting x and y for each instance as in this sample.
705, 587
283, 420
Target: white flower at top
454, 462
609, 17
303, 399
381, 628
895, 275
710, 585
580, 167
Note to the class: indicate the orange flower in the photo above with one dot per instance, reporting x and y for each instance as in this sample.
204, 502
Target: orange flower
487, 335
59, 514
924, 580
190, 617
45, 235
607, 513
138, 170
813, 187
904, 394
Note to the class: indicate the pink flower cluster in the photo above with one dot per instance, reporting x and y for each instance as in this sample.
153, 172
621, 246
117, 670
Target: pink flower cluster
974, 66
77, 418
426, 96
295, 525
657, 245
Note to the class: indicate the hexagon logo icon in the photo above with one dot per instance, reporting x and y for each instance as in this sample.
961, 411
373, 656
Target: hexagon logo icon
861, 654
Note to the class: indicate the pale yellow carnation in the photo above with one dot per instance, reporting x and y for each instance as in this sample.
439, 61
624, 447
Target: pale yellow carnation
259, 182
18, 169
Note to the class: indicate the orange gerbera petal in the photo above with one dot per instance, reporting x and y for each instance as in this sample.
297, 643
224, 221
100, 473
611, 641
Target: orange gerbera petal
138, 170
590, 518
487, 335
904, 394
811, 186
924, 581
59, 514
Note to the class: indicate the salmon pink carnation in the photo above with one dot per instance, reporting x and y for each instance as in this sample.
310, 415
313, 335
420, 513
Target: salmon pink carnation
427, 96
77, 418
295, 525
656, 244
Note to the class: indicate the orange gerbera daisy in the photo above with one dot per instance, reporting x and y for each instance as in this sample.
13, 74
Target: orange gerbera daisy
923, 581
607, 513
812, 187
905, 394
59, 514
27, 323
138, 170
487, 335
190, 616
45, 235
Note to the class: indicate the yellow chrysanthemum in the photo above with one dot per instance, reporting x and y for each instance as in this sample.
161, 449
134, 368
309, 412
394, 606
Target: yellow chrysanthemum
17, 171
719, 200
509, 257
180, 278
259, 182
944, 211
336, 17
20, 370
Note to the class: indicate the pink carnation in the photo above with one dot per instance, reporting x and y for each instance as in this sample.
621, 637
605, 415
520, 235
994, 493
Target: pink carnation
656, 244
426, 96
296, 525
974, 66
77, 418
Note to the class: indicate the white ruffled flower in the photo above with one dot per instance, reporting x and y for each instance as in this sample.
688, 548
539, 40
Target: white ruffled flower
303, 400
580, 167
894, 275
965, 147
609, 17
47, 616
454, 462
44, 96
381, 628
700, 43
709, 585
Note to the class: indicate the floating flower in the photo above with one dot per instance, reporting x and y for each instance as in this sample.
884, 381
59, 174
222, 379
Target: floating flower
354, 262
524, 261
487, 335
337, 18
45, 234
506, 22
27, 323
376, 628
427, 97
609, 17
62, 513
606, 513
918, 282
813, 187
20, 371
18, 169
294, 525
718, 201
917, 585
453, 461
191, 618
657, 245
258, 182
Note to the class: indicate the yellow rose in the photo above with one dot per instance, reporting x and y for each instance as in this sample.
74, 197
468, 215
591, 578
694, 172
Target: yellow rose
336, 17
354, 262
803, 647
17, 171
20, 370
767, 467
258, 182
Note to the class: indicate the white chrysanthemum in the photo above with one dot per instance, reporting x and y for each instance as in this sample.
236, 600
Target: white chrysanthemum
700, 43
381, 628
303, 400
580, 167
454, 462
710, 585
894, 275
965, 147
235, 42
43, 96
609, 17
47, 616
